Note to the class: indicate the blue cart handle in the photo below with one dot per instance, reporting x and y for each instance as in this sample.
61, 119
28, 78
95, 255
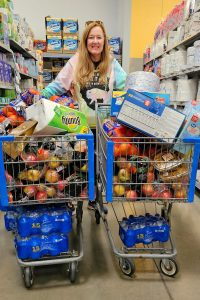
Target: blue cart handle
193, 140
7, 138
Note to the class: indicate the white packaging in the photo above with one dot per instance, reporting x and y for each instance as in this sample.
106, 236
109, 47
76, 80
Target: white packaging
190, 56
143, 81
197, 53
169, 86
186, 89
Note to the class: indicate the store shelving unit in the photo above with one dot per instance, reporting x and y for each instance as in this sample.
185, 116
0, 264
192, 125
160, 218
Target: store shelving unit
56, 55
186, 42
16, 47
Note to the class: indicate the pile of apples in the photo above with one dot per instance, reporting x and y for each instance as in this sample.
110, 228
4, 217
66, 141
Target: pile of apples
8, 112
134, 175
43, 174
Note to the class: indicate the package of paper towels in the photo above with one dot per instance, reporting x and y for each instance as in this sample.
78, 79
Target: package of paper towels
143, 81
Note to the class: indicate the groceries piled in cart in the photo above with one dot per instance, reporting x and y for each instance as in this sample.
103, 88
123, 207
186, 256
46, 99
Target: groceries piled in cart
44, 162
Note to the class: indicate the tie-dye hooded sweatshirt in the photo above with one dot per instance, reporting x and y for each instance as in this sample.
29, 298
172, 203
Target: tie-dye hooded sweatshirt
95, 93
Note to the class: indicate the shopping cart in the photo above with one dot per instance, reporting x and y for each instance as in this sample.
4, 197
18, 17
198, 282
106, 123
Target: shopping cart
140, 178
38, 171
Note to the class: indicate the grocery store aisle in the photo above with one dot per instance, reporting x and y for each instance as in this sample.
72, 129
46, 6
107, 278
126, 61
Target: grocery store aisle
99, 276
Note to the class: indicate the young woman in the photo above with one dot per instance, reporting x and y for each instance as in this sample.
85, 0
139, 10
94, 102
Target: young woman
91, 74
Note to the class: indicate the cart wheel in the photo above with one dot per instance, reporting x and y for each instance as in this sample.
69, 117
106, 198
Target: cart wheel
169, 267
28, 277
97, 217
72, 272
127, 267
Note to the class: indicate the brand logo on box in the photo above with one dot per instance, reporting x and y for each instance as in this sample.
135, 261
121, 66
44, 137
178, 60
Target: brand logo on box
71, 120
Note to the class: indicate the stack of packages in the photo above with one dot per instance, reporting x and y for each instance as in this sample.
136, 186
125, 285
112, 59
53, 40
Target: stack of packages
43, 166
39, 231
61, 35
6, 20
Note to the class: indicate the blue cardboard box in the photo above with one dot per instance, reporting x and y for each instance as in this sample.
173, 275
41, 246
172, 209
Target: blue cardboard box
118, 98
144, 114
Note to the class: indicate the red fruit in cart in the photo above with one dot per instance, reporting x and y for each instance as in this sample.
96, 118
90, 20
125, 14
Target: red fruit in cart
13, 120
2, 118
156, 195
8, 111
71, 105
51, 176
133, 150
131, 194
180, 194
150, 176
20, 120
147, 189
42, 154
84, 193
9, 178
30, 159
124, 149
10, 197
30, 190
61, 185
54, 162
119, 190
116, 150
41, 196
166, 194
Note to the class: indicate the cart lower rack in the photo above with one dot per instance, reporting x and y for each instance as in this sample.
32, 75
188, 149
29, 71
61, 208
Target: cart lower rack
140, 178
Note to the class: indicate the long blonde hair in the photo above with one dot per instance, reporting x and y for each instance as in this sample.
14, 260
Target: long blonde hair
85, 67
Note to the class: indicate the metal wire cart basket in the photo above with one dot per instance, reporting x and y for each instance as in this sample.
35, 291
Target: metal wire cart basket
140, 178
43, 181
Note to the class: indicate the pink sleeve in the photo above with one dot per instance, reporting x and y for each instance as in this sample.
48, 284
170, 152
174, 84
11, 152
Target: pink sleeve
66, 75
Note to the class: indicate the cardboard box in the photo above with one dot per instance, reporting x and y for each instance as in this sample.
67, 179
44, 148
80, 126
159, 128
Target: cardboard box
70, 26
40, 45
54, 118
21, 133
118, 98
54, 43
144, 114
70, 43
116, 102
191, 128
53, 26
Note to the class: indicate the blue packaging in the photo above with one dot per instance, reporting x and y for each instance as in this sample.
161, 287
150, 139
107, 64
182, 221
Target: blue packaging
119, 96
143, 229
36, 247
44, 222
115, 44
54, 43
70, 43
144, 114
70, 26
53, 25
10, 220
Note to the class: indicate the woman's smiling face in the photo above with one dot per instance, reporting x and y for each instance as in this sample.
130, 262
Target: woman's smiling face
95, 43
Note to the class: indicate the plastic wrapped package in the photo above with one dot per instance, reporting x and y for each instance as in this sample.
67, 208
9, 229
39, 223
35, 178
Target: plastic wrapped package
181, 60
197, 53
190, 57
143, 81
186, 89
163, 66
197, 5
169, 86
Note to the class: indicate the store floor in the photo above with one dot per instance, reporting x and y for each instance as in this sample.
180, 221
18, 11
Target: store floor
99, 276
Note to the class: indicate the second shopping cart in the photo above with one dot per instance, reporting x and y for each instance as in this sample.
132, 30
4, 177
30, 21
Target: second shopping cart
140, 178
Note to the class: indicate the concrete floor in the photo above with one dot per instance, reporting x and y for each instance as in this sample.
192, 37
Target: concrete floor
99, 276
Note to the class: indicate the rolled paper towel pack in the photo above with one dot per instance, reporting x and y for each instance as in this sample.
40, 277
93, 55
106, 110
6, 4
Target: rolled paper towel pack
143, 81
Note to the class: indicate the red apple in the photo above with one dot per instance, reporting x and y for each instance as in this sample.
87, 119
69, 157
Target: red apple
41, 196
147, 189
131, 194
